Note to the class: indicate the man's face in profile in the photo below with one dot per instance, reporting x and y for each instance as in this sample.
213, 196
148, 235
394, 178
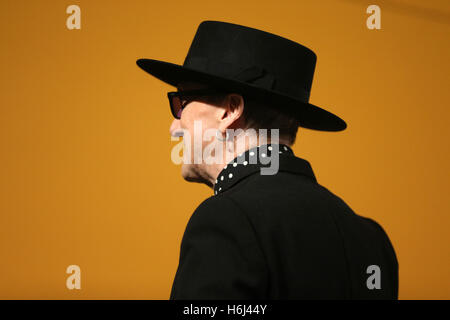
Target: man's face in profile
201, 115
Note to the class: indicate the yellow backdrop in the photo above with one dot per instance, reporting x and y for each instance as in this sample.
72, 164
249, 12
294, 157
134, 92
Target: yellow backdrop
85, 170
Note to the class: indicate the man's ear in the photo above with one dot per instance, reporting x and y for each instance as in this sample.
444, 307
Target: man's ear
232, 111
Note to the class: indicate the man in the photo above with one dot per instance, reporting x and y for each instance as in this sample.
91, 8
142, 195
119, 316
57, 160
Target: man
263, 235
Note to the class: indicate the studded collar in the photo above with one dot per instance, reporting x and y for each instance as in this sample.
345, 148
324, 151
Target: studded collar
255, 159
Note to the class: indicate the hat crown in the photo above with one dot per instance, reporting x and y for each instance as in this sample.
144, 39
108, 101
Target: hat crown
251, 55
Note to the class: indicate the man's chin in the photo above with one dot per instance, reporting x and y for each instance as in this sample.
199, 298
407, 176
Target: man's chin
190, 173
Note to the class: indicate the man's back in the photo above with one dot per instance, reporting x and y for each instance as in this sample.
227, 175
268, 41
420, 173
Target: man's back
283, 237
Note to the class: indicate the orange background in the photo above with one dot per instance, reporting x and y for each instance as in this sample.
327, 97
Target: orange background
86, 176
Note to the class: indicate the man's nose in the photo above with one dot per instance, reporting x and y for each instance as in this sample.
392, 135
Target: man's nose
175, 128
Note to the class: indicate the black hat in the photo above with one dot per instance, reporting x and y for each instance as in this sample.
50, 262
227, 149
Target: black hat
254, 63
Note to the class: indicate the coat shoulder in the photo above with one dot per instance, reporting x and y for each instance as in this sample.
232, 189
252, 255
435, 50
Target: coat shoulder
285, 192
216, 208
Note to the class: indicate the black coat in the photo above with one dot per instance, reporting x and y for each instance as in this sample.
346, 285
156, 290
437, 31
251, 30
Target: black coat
282, 236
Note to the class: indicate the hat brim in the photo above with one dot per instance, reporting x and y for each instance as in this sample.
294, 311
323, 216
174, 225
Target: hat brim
308, 115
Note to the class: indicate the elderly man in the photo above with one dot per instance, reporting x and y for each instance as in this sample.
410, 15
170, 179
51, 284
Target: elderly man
270, 230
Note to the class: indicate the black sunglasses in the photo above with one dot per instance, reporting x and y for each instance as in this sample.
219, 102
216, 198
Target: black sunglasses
178, 100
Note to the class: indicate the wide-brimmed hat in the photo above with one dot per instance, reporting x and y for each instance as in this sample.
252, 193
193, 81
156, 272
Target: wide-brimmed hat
254, 63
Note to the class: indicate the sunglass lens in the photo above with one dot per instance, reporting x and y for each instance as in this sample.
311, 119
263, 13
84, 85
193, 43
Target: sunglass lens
176, 107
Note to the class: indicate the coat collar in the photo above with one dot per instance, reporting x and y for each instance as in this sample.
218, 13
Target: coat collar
254, 159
